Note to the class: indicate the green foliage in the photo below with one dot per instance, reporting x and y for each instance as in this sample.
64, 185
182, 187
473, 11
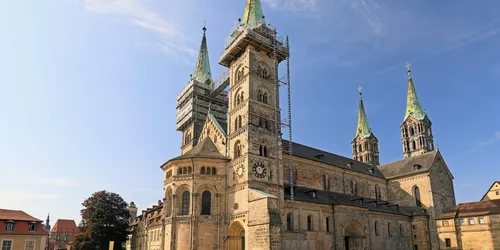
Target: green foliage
104, 219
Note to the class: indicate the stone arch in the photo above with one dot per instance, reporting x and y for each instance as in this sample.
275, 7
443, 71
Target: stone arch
238, 97
168, 201
236, 236
239, 73
354, 236
213, 198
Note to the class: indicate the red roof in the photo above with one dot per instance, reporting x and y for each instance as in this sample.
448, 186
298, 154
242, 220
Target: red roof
65, 226
473, 209
16, 215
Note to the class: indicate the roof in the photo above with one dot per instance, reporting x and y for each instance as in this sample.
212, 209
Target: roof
16, 215
495, 182
411, 165
253, 15
64, 226
202, 72
413, 107
204, 149
332, 198
363, 128
306, 152
473, 209
221, 125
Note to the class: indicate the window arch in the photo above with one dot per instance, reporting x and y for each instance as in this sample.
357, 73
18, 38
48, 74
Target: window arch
376, 228
262, 96
289, 222
327, 224
185, 203
237, 149
323, 182
361, 158
206, 202
309, 223
237, 122
416, 192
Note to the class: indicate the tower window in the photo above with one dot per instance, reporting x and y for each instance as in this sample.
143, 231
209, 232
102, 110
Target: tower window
309, 223
412, 131
376, 228
206, 202
214, 171
360, 148
323, 182
262, 96
327, 224
413, 145
237, 149
289, 223
185, 203
263, 150
416, 192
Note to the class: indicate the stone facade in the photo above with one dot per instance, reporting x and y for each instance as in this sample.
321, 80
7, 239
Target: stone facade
236, 187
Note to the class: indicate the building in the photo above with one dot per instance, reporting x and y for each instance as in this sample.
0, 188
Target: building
146, 229
21, 231
472, 225
239, 185
62, 233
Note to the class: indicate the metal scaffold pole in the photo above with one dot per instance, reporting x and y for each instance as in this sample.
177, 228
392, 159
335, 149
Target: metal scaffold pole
291, 180
277, 120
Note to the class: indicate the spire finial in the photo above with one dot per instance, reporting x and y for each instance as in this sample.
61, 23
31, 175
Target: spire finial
204, 26
363, 128
408, 69
360, 90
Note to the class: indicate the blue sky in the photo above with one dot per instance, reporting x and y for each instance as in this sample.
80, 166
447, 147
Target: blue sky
88, 87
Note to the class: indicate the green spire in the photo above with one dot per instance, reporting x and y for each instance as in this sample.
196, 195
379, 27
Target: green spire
202, 71
413, 107
363, 128
253, 16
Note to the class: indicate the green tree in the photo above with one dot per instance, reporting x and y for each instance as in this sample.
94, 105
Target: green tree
104, 219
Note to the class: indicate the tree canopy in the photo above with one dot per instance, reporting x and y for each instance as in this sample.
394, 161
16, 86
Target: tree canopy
105, 218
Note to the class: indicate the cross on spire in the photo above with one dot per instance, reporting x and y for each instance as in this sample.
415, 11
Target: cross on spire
360, 89
408, 67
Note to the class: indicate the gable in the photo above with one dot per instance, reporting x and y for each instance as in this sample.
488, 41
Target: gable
492, 192
213, 129
439, 163
409, 166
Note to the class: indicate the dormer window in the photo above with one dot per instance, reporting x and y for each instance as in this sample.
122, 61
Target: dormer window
314, 194
32, 226
371, 170
349, 164
417, 167
320, 157
9, 225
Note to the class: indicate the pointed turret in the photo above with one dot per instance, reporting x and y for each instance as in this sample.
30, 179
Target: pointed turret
416, 130
413, 107
202, 71
47, 223
253, 16
364, 144
363, 128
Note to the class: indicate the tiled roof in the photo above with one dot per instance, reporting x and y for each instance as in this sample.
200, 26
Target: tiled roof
16, 215
411, 165
333, 198
302, 151
204, 149
473, 209
65, 226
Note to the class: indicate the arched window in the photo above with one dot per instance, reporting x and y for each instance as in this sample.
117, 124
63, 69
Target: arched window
237, 149
242, 97
264, 99
355, 188
412, 131
401, 230
206, 203
366, 146
214, 171
289, 222
323, 182
260, 71
239, 121
416, 192
185, 203
376, 192
376, 228
184, 170
413, 145
361, 158
360, 148
389, 229
309, 223
352, 187
179, 171
208, 170
327, 222
190, 170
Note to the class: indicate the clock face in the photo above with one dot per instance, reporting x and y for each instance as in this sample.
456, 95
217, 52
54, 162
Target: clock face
259, 170
240, 171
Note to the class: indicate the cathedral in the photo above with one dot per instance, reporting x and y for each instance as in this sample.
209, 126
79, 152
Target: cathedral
237, 184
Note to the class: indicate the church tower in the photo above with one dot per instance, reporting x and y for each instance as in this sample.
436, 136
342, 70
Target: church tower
416, 130
252, 53
364, 144
196, 97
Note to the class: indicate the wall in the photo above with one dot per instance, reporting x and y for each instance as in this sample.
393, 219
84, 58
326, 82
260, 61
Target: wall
20, 240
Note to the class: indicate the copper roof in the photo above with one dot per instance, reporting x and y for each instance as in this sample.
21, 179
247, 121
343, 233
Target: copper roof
473, 209
64, 226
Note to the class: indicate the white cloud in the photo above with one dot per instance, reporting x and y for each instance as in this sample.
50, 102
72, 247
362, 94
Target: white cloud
494, 138
293, 5
173, 39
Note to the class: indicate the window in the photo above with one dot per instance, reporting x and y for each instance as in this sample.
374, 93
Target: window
481, 220
448, 242
376, 228
309, 223
237, 122
237, 149
416, 191
214, 171
442, 206
413, 145
289, 225
461, 221
471, 222
185, 203
323, 182
32, 227
327, 221
202, 171
361, 158
206, 203
412, 131
401, 230
190, 170
263, 150
389, 229
6, 245
10, 226
445, 223
360, 148
497, 192
262, 96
